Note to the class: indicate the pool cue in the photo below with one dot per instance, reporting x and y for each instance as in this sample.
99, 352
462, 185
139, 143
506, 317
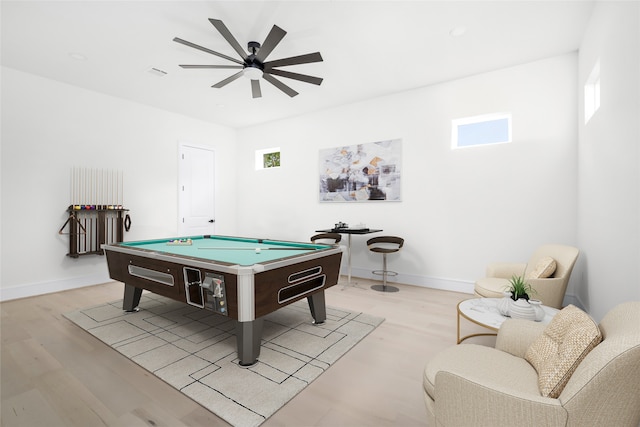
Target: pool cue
85, 234
91, 196
101, 196
113, 189
119, 203
79, 189
94, 189
86, 185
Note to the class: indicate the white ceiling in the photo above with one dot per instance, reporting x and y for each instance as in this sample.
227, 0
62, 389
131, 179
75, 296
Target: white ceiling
370, 48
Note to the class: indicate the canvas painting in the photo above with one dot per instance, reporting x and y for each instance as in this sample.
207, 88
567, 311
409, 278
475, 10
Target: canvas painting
362, 172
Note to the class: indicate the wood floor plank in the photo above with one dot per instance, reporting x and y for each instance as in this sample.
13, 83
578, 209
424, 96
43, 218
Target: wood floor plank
53, 373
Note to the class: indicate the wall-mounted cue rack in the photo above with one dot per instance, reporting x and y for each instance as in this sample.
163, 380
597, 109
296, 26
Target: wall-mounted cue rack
103, 219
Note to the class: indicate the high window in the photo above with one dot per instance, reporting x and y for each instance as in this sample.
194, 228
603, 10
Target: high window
481, 130
592, 93
268, 158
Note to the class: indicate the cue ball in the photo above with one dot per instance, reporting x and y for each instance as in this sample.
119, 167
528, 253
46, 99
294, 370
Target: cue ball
257, 250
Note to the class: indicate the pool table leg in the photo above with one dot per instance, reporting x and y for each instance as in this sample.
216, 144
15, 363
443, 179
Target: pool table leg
131, 298
248, 336
318, 307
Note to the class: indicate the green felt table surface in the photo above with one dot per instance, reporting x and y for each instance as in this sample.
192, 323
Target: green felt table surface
234, 250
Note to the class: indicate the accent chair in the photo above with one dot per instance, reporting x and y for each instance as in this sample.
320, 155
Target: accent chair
548, 272
570, 372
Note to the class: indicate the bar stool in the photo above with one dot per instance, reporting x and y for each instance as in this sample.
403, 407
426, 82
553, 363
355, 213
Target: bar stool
385, 245
327, 238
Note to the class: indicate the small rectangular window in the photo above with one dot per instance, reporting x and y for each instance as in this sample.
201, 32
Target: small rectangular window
268, 158
592, 93
481, 130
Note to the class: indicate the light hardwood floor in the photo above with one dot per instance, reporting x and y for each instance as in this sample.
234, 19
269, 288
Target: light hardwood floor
55, 374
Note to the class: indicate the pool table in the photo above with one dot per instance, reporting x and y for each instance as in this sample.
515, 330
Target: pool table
242, 278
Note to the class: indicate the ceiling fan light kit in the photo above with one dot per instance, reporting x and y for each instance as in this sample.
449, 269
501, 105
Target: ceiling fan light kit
253, 65
252, 73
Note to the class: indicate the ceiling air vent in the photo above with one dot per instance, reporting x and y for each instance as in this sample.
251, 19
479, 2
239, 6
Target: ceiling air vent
157, 72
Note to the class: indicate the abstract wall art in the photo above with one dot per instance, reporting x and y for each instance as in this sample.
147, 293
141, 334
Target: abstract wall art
361, 173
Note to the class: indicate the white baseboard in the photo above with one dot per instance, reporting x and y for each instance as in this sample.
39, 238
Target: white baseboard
444, 284
454, 285
24, 291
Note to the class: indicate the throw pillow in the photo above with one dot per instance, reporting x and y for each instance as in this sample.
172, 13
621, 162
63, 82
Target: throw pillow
558, 351
545, 267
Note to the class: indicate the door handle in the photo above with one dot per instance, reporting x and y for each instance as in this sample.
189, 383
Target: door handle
212, 221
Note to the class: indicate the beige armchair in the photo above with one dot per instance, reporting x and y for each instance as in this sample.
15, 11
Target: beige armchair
549, 290
474, 385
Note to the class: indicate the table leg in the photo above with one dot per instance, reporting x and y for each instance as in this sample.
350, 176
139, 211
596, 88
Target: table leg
354, 284
131, 298
318, 307
349, 261
459, 340
248, 336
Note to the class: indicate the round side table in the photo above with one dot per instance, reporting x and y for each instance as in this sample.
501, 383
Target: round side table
484, 312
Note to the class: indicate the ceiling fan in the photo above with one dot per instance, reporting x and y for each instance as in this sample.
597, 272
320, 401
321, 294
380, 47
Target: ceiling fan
253, 65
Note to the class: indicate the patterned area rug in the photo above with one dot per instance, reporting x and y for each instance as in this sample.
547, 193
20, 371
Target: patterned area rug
194, 350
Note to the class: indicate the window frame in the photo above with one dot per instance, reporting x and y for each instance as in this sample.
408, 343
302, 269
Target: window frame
260, 158
479, 119
592, 93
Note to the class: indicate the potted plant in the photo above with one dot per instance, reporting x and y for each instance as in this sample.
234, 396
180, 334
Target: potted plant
519, 307
519, 288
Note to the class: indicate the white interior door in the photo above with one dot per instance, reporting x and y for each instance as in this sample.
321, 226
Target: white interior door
196, 191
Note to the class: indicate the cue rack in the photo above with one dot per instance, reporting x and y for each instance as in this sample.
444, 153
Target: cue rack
102, 219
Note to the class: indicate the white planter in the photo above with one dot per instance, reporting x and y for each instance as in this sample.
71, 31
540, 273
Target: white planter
537, 308
503, 304
521, 309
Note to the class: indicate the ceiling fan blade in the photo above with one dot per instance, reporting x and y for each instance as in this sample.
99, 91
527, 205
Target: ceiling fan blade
294, 60
277, 83
273, 38
222, 29
227, 80
204, 49
296, 76
255, 89
212, 66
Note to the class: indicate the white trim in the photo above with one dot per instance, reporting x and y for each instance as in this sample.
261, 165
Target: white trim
181, 201
444, 284
35, 289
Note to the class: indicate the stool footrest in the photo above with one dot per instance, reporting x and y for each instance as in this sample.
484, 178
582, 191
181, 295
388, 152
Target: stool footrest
383, 272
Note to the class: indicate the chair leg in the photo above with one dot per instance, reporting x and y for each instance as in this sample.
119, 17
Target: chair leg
384, 273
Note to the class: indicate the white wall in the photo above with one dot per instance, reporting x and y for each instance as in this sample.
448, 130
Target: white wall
609, 160
48, 128
460, 209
